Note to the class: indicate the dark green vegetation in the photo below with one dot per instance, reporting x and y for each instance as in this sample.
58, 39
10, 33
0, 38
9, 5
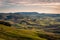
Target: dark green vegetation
29, 26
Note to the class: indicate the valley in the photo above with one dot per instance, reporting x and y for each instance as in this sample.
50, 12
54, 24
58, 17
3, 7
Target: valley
29, 26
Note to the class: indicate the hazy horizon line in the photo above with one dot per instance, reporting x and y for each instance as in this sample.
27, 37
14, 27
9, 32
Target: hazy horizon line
36, 12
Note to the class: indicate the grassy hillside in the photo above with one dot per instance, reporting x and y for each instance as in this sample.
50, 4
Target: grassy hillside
11, 33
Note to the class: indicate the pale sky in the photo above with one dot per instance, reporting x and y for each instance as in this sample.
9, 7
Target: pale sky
41, 6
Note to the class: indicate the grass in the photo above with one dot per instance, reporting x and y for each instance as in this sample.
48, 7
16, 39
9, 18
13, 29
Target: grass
12, 33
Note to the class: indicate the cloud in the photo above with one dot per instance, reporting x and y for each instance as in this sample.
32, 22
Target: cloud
29, 2
52, 6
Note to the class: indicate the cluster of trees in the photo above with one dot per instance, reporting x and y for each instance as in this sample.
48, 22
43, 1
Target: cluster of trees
5, 23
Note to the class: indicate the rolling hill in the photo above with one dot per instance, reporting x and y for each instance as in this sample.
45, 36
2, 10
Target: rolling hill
29, 26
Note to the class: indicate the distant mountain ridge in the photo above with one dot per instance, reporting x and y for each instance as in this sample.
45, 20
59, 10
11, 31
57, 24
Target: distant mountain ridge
20, 15
30, 13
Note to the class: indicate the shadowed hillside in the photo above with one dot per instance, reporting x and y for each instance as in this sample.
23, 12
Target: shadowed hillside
5, 23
